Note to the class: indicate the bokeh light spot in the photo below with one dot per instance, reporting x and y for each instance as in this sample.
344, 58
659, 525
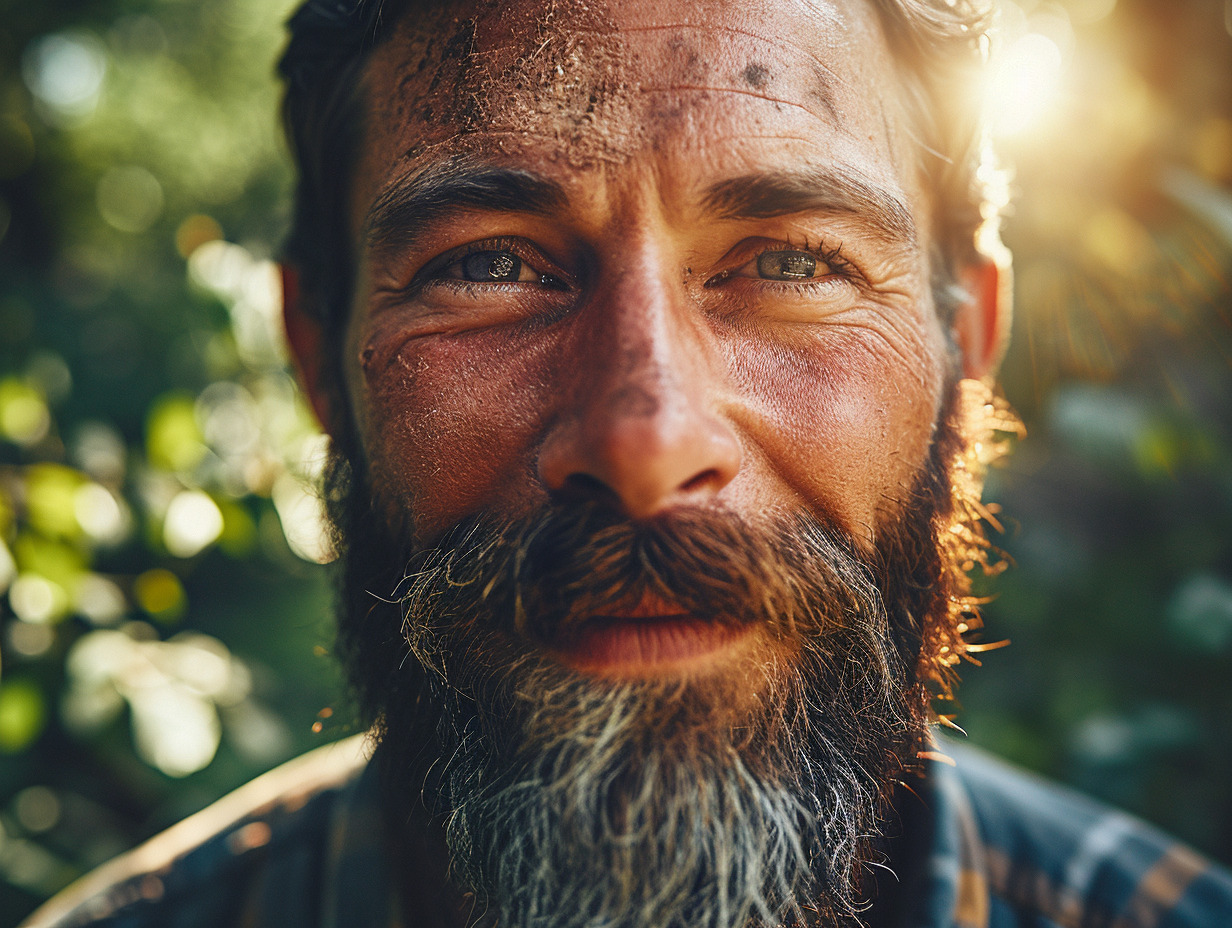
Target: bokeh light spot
51, 494
160, 593
193, 522
24, 417
194, 232
129, 198
23, 713
1024, 84
99, 450
173, 438
99, 600
8, 566
37, 599
174, 730
65, 73
29, 640
37, 809
303, 520
100, 514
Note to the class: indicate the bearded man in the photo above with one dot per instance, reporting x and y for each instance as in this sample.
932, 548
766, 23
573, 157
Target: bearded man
650, 345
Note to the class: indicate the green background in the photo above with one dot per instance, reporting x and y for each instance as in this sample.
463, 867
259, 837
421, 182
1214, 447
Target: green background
161, 639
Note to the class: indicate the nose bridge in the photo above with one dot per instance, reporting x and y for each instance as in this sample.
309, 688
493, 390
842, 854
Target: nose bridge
647, 350
642, 425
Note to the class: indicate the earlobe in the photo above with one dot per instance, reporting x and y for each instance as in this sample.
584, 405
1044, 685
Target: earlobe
306, 338
982, 322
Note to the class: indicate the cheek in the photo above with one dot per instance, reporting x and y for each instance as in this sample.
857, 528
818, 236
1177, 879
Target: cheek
453, 422
844, 419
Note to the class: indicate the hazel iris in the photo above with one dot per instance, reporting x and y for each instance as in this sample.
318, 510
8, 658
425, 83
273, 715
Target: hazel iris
786, 265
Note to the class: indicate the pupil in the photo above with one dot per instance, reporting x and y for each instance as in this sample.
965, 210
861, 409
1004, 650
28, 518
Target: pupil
491, 265
792, 265
500, 267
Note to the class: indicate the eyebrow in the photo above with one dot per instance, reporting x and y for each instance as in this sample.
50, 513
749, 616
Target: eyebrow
403, 208
781, 193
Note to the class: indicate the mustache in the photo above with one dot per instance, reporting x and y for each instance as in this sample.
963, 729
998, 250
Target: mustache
543, 576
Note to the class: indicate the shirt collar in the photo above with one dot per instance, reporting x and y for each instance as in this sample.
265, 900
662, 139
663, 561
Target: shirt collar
956, 891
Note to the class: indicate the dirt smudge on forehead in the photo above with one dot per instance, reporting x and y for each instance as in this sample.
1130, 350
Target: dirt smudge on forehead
564, 77
755, 75
510, 72
588, 84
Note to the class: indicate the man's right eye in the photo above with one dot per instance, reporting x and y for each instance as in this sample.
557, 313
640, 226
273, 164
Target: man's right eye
494, 266
489, 267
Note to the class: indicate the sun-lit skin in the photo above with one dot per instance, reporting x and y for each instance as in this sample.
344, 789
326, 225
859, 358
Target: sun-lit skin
641, 356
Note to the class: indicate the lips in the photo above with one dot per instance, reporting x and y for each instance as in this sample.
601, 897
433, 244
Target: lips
652, 636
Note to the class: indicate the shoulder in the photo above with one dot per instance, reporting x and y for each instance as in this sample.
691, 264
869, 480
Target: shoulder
214, 867
1058, 858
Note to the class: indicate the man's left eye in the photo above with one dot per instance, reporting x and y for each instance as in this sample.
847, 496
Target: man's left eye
789, 264
492, 267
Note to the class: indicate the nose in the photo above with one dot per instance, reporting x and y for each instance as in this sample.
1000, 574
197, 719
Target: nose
640, 427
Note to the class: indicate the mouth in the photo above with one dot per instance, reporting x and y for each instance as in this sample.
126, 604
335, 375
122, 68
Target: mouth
651, 638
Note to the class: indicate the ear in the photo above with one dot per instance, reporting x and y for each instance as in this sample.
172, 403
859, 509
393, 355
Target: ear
982, 322
306, 339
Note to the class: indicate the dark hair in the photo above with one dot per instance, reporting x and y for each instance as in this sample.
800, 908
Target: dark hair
939, 44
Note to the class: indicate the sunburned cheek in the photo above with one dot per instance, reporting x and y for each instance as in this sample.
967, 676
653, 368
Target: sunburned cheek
844, 424
451, 425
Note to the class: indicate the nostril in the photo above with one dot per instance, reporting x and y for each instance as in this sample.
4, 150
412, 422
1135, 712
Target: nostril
583, 486
702, 480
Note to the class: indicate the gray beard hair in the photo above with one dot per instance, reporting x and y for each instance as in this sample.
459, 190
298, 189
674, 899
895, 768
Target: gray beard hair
750, 797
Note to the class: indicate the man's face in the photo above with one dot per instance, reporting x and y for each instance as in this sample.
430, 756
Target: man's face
656, 258
646, 373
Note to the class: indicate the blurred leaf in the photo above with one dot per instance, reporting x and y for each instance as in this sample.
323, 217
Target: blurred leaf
23, 712
51, 498
59, 562
160, 593
174, 440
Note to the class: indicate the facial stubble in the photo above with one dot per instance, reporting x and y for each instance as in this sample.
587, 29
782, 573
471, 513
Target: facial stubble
752, 794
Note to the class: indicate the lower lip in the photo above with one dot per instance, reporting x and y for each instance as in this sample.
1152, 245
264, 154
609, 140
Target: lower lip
648, 644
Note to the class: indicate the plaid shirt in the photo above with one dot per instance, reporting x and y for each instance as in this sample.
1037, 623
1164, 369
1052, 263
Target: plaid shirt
302, 846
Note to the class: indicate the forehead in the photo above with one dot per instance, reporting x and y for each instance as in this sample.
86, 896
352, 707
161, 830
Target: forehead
580, 87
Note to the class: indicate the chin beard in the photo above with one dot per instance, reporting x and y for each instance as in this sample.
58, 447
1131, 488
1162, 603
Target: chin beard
751, 793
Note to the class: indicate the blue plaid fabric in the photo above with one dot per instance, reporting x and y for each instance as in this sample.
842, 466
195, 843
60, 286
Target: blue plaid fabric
303, 846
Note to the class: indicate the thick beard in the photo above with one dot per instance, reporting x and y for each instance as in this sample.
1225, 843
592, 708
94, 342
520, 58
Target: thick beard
754, 795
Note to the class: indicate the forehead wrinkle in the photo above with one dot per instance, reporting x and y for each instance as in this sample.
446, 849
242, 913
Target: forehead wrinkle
827, 79
769, 40
701, 88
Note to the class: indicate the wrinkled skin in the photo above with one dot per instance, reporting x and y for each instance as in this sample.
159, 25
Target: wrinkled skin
662, 368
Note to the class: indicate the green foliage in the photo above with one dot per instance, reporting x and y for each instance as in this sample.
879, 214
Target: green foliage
155, 457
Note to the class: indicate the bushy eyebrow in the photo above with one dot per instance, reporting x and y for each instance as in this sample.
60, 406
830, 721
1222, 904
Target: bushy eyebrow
781, 193
399, 214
